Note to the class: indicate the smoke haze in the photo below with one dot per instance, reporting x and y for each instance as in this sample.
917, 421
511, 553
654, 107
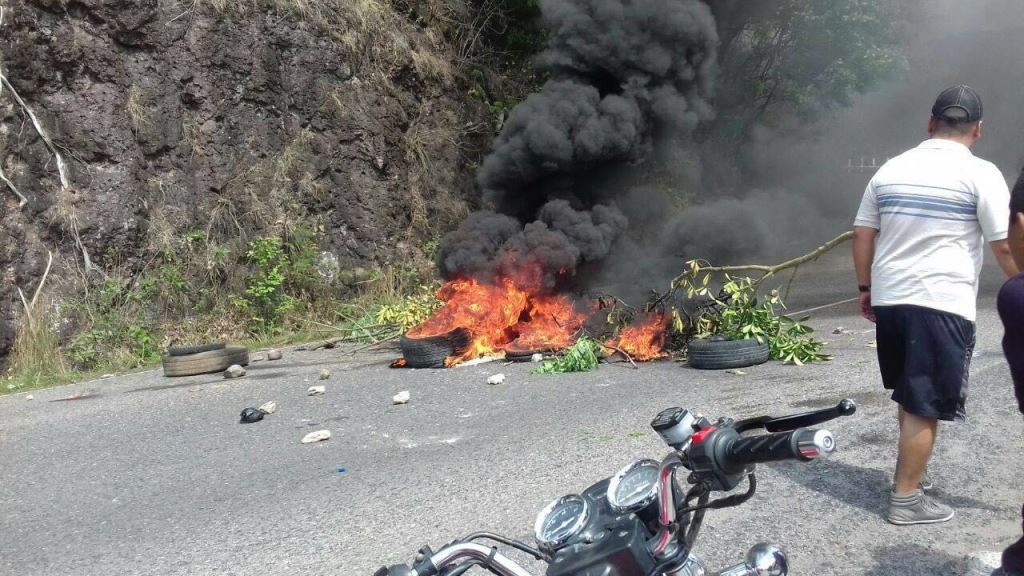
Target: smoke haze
799, 181
630, 84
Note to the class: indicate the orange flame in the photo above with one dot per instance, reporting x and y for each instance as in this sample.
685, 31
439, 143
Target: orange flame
501, 316
487, 311
644, 340
553, 324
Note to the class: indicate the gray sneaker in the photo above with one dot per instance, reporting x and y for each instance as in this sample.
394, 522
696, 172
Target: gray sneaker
917, 508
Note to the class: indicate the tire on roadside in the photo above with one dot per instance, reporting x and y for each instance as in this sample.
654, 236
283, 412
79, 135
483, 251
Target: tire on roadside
187, 350
726, 354
205, 362
431, 351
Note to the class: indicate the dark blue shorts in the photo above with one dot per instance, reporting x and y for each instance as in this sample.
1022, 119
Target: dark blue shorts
925, 358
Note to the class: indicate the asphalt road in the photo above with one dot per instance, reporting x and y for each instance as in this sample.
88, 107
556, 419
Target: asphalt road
147, 475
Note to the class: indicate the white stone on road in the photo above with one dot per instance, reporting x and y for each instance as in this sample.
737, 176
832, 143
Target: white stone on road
496, 379
401, 398
234, 371
316, 390
318, 436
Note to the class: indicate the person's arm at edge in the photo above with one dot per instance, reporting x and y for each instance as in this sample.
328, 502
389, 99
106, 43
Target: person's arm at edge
1011, 309
1001, 249
863, 256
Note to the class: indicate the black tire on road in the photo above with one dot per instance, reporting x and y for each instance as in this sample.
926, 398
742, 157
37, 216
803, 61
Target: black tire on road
725, 354
431, 351
205, 362
518, 356
187, 350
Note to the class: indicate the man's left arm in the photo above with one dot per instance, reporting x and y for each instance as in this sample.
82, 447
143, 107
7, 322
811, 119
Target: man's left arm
994, 216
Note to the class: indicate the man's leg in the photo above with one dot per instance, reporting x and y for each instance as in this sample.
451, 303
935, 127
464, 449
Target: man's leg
908, 504
926, 481
899, 420
917, 439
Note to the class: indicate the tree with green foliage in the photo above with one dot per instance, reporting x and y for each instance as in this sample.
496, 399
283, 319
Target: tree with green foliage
782, 57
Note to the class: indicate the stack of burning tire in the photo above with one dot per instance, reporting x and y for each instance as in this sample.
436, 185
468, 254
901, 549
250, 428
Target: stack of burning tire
519, 353
432, 350
203, 359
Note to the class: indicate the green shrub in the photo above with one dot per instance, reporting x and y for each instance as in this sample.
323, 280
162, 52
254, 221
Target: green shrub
265, 298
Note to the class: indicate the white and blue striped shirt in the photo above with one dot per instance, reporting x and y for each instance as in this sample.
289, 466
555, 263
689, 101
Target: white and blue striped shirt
935, 207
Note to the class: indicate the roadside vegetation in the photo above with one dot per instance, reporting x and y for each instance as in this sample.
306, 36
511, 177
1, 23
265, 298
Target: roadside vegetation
256, 269
269, 290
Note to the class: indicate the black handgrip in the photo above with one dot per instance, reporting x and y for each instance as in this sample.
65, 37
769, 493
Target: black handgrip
783, 423
800, 444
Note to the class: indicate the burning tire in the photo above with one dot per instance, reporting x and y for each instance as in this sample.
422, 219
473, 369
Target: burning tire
431, 351
513, 355
723, 354
205, 362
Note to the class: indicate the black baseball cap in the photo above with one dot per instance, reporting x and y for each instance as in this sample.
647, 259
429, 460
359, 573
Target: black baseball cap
958, 104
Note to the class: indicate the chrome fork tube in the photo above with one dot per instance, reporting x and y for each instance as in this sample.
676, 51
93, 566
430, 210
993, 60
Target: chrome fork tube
667, 505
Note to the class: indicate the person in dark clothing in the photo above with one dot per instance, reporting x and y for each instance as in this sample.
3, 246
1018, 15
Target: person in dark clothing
1011, 310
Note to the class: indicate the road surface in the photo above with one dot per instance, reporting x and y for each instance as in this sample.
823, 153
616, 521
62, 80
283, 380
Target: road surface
146, 475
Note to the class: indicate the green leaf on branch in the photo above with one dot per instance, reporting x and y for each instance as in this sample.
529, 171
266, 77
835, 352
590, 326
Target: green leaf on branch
582, 357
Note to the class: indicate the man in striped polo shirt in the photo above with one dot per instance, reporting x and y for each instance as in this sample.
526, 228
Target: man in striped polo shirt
918, 248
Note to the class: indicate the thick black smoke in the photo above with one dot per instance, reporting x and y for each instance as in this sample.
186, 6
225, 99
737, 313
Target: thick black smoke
489, 245
626, 76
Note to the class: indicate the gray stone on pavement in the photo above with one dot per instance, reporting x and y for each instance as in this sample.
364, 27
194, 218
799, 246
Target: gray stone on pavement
234, 371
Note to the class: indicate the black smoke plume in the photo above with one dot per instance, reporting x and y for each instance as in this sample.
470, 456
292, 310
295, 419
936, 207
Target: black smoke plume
626, 76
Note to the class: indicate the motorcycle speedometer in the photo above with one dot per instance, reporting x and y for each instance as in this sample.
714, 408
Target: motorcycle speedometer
561, 520
634, 487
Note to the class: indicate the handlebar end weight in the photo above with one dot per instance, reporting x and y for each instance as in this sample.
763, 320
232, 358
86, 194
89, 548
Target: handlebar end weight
846, 407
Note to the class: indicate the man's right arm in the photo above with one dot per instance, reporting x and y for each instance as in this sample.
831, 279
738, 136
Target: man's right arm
863, 253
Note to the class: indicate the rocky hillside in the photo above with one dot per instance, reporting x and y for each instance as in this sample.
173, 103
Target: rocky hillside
227, 121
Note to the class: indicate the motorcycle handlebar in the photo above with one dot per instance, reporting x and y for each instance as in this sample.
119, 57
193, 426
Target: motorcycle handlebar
800, 444
782, 424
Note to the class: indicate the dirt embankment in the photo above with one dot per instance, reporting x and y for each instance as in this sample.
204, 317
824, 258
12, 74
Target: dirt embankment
174, 117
